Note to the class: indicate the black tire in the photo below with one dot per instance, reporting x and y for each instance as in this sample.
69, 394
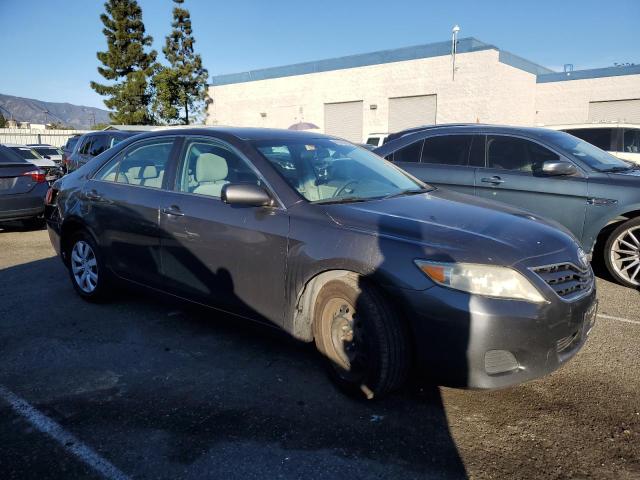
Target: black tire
374, 358
103, 284
632, 225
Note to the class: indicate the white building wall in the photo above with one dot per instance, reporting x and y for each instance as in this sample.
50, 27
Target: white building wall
484, 90
568, 101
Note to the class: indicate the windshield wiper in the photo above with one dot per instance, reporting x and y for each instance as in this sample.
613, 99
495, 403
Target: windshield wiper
616, 169
408, 191
341, 200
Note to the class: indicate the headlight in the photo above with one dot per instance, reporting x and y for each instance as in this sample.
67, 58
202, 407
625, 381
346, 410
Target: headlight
489, 280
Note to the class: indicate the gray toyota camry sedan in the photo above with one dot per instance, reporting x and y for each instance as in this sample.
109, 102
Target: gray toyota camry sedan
336, 246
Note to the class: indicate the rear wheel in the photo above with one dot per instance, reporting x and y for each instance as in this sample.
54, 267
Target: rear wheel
622, 253
364, 344
88, 275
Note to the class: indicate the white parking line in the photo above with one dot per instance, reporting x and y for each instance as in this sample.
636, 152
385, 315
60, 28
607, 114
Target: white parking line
619, 319
70, 443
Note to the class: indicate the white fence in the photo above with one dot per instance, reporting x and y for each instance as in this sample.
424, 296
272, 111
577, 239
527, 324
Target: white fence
32, 135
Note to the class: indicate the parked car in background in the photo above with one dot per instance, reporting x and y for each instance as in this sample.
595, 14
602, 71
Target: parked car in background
376, 139
68, 149
47, 151
50, 168
621, 140
334, 245
92, 144
593, 194
23, 187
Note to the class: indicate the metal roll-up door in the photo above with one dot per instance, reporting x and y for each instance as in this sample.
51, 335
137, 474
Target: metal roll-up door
344, 120
407, 112
626, 111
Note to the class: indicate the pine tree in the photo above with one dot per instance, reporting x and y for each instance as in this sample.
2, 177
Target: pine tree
181, 87
127, 65
3, 121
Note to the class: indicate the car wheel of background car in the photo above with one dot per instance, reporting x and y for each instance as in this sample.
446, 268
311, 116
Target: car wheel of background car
88, 275
363, 342
622, 253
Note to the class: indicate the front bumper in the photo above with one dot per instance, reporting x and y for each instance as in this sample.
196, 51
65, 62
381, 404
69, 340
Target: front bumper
469, 341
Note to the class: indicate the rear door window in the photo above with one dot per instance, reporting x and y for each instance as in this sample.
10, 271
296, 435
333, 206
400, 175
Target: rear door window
603, 138
516, 154
143, 164
410, 153
100, 144
631, 140
85, 147
447, 150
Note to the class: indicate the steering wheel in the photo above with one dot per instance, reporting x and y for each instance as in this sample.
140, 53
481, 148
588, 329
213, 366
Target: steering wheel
344, 187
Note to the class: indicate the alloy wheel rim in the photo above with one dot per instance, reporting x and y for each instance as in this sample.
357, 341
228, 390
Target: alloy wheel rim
84, 266
347, 338
625, 255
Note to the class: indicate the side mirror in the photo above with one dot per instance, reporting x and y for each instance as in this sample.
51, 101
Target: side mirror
245, 194
558, 168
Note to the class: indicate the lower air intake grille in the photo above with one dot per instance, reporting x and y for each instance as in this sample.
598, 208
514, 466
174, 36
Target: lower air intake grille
567, 280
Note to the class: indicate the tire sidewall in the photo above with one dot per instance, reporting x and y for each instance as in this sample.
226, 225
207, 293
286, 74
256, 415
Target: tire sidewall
365, 310
635, 222
100, 293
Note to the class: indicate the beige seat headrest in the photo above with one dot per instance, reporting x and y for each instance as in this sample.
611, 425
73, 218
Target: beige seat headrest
211, 168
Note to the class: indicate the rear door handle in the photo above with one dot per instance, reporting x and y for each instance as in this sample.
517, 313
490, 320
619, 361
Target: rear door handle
173, 210
494, 180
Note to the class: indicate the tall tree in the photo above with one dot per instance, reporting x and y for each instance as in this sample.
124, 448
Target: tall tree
3, 121
127, 66
182, 86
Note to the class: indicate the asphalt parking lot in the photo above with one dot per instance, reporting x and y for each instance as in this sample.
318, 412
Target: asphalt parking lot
145, 388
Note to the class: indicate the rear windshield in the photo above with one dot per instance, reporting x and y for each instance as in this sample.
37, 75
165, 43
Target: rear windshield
47, 151
71, 143
9, 156
26, 153
591, 155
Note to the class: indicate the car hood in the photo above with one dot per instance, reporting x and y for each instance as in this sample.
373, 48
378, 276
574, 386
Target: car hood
460, 227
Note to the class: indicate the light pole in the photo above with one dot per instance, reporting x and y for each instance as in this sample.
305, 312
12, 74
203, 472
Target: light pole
454, 49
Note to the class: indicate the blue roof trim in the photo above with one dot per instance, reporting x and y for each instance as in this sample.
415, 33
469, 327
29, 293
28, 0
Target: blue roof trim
516, 61
465, 45
591, 73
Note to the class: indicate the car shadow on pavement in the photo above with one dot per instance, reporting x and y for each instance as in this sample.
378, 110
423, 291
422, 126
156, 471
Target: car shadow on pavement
160, 384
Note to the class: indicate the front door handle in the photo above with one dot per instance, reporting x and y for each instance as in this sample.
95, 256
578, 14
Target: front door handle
495, 180
173, 210
93, 195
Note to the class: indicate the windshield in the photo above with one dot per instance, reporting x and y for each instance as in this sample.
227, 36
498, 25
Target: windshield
71, 143
589, 154
328, 171
47, 151
26, 153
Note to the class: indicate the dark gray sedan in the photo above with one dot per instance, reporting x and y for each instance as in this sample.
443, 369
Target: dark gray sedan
331, 243
23, 187
552, 174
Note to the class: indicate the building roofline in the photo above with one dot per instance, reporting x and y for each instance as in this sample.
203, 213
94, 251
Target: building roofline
465, 45
589, 73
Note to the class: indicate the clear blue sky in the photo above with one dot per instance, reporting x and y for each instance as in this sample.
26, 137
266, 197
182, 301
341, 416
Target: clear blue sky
48, 46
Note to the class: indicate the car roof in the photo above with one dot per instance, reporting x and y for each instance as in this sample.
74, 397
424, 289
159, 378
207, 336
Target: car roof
242, 133
592, 125
471, 127
13, 145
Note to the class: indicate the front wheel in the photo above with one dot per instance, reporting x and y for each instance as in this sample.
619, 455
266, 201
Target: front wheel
365, 345
622, 253
88, 276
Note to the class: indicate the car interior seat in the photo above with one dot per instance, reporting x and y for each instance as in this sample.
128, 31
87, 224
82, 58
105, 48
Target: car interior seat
211, 174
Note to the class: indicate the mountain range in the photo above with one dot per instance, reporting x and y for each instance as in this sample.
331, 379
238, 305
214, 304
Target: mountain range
38, 111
